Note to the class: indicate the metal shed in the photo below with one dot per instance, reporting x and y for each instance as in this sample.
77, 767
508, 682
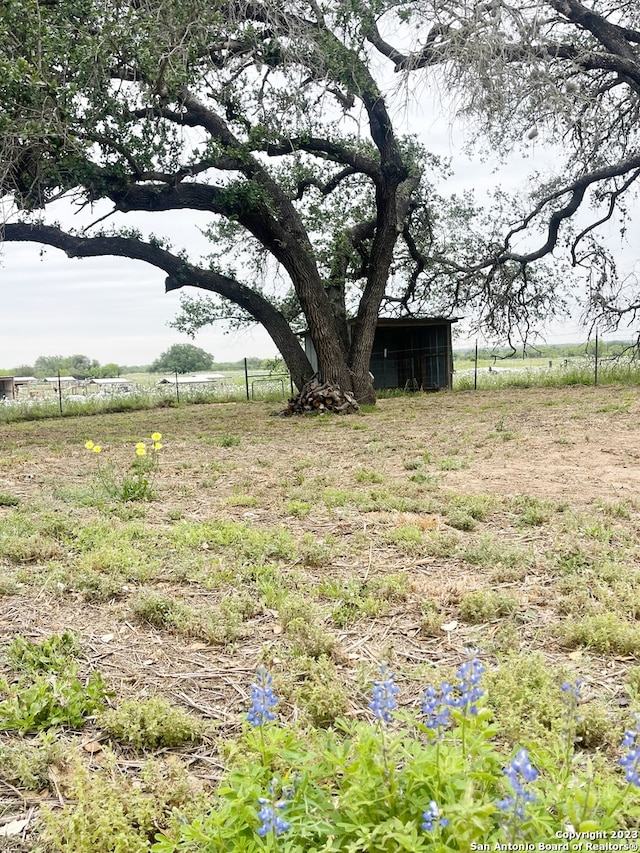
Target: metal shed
112, 384
414, 354
7, 388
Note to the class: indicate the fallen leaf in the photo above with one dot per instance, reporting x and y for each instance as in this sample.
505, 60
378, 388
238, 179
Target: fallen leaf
106, 638
93, 746
449, 626
13, 828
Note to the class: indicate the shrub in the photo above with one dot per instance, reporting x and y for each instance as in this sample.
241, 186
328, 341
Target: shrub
149, 724
485, 605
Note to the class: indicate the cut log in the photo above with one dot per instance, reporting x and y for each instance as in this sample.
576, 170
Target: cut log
319, 397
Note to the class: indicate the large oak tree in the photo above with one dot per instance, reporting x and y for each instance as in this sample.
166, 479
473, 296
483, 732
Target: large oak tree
237, 109
275, 118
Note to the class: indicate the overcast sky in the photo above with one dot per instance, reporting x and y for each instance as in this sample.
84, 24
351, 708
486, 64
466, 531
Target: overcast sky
115, 310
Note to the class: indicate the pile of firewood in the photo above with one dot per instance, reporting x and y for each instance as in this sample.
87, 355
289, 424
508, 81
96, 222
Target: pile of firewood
317, 396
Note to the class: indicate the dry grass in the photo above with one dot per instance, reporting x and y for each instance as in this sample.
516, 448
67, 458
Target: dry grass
405, 534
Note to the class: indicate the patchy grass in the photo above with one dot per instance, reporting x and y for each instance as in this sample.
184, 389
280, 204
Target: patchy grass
502, 520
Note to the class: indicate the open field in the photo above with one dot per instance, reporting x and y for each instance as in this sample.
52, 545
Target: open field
507, 521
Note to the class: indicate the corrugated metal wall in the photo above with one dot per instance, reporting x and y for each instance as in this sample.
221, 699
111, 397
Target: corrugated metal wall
412, 357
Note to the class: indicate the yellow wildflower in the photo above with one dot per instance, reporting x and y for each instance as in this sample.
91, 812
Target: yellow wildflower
140, 444
156, 436
141, 451
96, 448
89, 445
157, 445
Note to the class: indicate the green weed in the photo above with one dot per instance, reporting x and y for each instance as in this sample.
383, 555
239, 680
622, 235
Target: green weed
461, 520
531, 511
361, 475
246, 543
486, 605
54, 654
524, 694
319, 691
216, 625
149, 724
228, 440
7, 499
431, 619
240, 499
408, 539
603, 632
314, 551
452, 463
41, 702
109, 812
8, 585
27, 762
300, 509
309, 637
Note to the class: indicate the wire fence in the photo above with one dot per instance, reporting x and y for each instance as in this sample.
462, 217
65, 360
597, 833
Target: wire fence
480, 372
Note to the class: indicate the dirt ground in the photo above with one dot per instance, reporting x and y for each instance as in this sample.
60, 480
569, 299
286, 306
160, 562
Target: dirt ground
573, 445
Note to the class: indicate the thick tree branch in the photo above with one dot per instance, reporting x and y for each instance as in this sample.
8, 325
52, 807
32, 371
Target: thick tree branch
444, 42
179, 274
609, 35
329, 150
325, 188
576, 191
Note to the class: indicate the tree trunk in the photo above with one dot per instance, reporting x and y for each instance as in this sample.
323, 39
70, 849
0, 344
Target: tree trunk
363, 389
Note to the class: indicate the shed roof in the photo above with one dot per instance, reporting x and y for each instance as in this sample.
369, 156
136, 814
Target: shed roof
400, 322
191, 380
410, 321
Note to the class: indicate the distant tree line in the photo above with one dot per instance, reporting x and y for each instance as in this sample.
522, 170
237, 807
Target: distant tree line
179, 358
80, 366
606, 349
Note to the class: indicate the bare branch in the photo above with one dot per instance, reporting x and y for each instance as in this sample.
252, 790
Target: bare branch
576, 190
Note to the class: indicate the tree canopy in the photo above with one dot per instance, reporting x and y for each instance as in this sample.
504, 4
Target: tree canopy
78, 365
563, 73
277, 119
182, 358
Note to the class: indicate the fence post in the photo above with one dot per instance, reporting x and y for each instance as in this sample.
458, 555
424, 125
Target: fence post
177, 389
595, 376
246, 377
60, 392
475, 371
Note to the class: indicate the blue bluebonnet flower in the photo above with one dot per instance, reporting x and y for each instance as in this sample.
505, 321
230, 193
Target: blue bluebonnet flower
263, 699
572, 690
436, 706
469, 675
519, 772
383, 696
271, 820
631, 761
431, 818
